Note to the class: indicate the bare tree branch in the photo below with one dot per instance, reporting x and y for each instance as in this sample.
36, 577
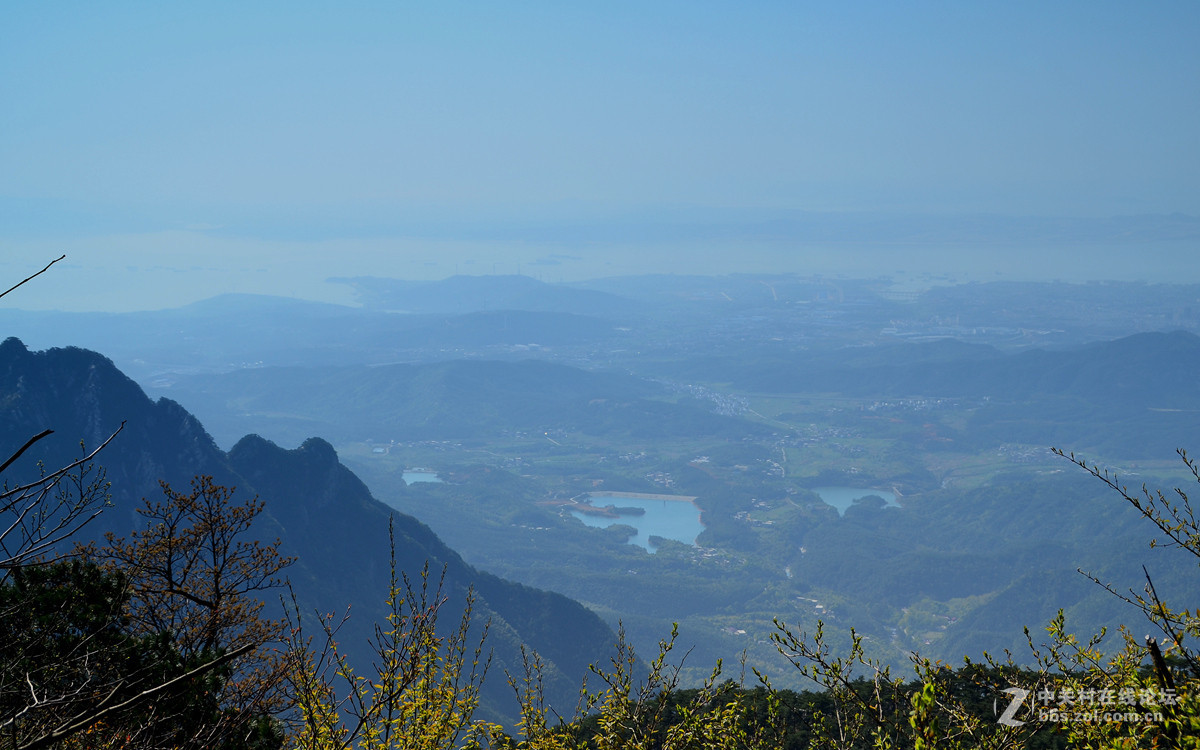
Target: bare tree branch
24, 448
40, 520
31, 278
86, 719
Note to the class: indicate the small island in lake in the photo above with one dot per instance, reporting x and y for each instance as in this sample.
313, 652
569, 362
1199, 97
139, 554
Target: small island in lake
608, 511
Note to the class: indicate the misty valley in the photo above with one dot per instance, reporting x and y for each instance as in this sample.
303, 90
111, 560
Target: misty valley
599, 376
841, 453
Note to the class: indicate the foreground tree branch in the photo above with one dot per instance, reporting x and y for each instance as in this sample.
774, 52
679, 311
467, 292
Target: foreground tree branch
42, 514
105, 708
31, 278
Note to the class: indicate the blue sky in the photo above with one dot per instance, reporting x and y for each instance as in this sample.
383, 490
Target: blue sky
179, 150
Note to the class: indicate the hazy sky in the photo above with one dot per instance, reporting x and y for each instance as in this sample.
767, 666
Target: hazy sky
175, 151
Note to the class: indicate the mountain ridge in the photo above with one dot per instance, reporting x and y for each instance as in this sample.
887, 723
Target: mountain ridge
466, 294
338, 532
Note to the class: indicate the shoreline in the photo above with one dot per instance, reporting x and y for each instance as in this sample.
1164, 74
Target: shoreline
637, 495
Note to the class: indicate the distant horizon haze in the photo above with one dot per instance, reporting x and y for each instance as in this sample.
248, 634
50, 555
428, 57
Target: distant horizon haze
176, 152
169, 269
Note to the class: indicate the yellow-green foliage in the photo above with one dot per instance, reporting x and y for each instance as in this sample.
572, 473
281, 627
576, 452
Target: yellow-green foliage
427, 688
628, 713
424, 692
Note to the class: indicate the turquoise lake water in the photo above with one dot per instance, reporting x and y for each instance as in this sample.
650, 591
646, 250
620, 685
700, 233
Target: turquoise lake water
670, 519
420, 476
843, 497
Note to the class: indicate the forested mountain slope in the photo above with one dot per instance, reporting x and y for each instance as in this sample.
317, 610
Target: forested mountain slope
322, 513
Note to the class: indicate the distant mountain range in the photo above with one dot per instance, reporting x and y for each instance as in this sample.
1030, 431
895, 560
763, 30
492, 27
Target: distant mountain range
444, 400
1144, 369
459, 295
1139, 394
744, 391
634, 323
322, 513
232, 331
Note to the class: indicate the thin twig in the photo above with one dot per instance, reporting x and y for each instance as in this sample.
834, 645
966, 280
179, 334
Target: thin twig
83, 721
24, 448
31, 278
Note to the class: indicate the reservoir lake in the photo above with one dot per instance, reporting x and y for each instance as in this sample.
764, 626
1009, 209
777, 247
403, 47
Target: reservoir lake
419, 476
671, 519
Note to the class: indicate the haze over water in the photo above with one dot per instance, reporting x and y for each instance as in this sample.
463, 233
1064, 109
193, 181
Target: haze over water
177, 153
